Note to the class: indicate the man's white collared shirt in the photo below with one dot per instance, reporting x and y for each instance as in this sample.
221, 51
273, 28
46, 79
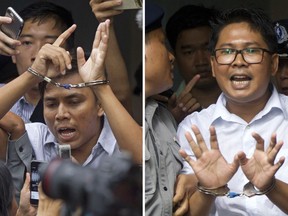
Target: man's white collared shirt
234, 135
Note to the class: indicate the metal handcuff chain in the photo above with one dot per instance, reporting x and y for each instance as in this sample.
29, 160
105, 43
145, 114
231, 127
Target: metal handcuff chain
67, 86
249, 190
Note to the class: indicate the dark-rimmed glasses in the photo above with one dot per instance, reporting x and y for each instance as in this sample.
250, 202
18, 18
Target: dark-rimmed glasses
226, 56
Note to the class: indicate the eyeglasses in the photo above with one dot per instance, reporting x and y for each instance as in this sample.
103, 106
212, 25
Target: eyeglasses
226, 56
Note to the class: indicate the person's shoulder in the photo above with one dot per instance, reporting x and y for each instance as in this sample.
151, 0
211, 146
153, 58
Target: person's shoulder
35, 126
205, 113
284, 101
203, 117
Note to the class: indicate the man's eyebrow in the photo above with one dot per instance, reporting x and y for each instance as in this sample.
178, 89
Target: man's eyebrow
47, 36
189, 46
71, 96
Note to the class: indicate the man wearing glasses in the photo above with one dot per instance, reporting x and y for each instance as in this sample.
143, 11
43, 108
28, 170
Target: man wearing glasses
235, 147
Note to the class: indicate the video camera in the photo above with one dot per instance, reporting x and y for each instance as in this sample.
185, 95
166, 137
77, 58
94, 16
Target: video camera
113, 188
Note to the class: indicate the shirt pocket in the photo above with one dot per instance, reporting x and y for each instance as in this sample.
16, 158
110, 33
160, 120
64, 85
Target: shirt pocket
150, 175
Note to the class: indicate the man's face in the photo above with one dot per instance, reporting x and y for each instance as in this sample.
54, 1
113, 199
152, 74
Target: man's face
158, 64
73, 116
242, 82
193, 57
33, 37
282, 76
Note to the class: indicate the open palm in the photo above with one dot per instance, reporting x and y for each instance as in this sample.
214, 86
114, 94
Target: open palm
260, 168
93, 68
210, 168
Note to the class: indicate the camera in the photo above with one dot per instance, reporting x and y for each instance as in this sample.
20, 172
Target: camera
113, 188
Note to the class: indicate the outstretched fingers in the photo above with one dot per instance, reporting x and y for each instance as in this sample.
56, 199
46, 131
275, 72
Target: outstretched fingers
273, 142
189, 86
64, 36
80, 57
186, 157
100, 45
275, 150
213, 138
241, 158
199, 138
102, 34
195, 148
259, 141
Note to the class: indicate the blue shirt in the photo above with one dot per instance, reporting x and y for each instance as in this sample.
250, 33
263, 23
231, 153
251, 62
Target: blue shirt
39, 141
23, 109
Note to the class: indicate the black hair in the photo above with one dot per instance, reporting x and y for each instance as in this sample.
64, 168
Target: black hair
188, 17
42, 11
6, 190
257, 20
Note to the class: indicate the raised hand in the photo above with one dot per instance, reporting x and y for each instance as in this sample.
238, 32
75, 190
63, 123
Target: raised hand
25, 208
93, 68
48, 206
260, 168
52, 59
185, 103
7, 44
210, 168
103, 9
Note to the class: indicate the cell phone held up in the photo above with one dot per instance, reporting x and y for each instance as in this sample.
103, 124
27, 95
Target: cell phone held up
34, 181
14, 28
129, 4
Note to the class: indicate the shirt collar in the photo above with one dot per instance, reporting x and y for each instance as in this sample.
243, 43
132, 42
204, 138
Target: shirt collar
274, 102
106, 139
150, 109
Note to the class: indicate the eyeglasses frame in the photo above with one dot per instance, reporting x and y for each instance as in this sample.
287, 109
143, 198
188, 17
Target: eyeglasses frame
241, 52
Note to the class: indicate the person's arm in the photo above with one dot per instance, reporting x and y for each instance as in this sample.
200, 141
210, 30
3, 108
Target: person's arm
3, 144
126, 131
13, 126
114, 62
279, 195
49, 56
19, 152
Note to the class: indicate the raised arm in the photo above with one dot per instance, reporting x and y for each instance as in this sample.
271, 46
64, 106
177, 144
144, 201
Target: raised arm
51, 59
127, 132
114, 63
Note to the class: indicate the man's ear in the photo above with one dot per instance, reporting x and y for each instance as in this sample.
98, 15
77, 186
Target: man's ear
212, 65
274, 64
100, 110
13, 59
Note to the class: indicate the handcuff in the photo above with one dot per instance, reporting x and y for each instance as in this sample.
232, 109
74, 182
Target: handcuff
67, 86
249, 190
